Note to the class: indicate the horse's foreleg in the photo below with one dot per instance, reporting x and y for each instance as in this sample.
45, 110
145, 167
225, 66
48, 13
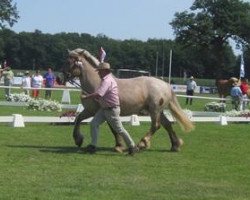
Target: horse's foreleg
78, 137
155, 125
119, 147
175, 141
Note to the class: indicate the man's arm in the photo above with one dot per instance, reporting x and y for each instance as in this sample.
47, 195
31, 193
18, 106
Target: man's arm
92, 96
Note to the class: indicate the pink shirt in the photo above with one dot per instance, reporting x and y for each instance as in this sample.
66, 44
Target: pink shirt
108, 91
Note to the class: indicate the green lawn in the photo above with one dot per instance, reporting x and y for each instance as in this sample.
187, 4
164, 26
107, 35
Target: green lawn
40, 161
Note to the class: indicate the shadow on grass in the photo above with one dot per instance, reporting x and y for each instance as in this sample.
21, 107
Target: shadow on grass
101, 151
63, 149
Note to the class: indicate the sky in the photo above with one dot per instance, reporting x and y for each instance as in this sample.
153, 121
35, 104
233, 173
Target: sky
117, 19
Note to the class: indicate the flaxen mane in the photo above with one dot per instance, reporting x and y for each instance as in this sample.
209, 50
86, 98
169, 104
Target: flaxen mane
90, 58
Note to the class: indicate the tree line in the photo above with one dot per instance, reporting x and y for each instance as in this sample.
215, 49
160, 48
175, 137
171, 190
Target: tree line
201, 47
36, 50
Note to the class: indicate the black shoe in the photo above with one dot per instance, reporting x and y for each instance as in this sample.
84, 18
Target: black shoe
133, 150
91, 149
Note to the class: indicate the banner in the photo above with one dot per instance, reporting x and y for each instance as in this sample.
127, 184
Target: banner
242, 67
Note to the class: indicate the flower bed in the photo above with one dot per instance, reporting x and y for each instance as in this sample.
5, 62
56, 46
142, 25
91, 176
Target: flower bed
235, 113
215, 107
35, 104
18, 97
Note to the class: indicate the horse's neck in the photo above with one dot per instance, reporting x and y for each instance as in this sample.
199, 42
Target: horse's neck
89, 78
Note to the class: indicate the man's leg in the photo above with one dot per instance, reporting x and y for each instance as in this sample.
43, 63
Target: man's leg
113, 117
98, 119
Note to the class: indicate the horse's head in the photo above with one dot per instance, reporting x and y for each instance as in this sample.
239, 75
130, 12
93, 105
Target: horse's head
72, 68
233, 80
76, 60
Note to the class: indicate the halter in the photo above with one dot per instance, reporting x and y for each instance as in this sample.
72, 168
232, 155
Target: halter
72, 81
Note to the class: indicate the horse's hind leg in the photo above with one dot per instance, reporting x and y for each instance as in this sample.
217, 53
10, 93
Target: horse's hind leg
175, 141
155, 125
119, 147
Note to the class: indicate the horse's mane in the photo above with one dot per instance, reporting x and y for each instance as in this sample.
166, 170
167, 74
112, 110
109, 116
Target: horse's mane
88, 56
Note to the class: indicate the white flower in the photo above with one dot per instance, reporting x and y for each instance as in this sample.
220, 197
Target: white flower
235, 113
44, 105
35, 104
215, 107
18, 97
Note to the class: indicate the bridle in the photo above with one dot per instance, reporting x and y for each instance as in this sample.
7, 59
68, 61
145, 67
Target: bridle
71, 79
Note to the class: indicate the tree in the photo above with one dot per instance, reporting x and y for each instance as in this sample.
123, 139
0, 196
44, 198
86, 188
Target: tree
8, 13
211, 24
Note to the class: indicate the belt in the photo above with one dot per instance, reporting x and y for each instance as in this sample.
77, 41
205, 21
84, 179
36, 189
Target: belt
110, 108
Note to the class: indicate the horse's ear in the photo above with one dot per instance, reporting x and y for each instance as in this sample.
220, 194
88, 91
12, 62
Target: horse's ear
79, 51
72, 53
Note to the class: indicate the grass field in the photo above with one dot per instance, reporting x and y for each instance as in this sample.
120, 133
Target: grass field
41, 162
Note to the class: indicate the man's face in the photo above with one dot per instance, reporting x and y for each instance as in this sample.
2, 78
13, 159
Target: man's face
102, 73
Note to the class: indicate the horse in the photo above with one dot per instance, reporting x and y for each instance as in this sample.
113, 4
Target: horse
224, 86
136, 95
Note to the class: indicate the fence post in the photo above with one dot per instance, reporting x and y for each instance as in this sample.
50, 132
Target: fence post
17, 121
66, 97
134, 120
223, 120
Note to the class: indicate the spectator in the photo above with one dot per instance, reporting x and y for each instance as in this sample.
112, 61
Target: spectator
36, 83
8, 77
236, 95
244, 88
49, 79
26, 83
191, 85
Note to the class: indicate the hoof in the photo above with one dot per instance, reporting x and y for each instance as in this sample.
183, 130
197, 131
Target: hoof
177, 146
79, 140
119, 149
133, 150
143, 144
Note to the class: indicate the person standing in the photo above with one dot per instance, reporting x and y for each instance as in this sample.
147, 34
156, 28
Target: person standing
8, 77
236, 95
191, 85
102, 55
244, 88
26, 83
36, 83
107, 96
49, 79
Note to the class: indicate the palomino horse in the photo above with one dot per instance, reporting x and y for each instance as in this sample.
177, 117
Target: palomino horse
136, 95
224, 86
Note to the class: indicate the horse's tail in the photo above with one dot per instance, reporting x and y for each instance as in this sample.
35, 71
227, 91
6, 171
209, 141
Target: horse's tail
179, 115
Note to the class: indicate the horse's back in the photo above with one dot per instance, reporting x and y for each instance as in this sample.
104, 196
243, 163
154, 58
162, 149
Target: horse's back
141, 93
143, 84
222, 87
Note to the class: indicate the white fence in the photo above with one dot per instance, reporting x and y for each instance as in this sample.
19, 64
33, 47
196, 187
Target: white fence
17, 120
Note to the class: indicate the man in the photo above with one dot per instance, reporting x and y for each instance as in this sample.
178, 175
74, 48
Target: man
236, 95
107, 96
8, 77
191, 85
49, 79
